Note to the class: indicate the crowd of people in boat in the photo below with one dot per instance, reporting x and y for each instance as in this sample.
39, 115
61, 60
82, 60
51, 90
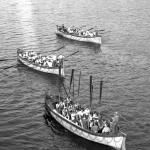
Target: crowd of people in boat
87, 119
42, 61
77, 31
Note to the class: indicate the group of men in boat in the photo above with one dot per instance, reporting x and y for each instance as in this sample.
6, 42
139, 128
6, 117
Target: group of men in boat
77, 31
43, 61
87, 119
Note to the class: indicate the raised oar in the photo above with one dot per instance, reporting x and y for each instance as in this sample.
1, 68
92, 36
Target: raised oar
79, 83
100, 95
71, 54
71, 79
65, 89
91, 91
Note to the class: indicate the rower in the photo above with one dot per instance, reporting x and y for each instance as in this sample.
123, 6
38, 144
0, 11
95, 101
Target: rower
106, 129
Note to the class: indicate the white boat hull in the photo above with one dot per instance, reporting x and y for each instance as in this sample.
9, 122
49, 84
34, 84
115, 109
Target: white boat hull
96, 40
117, 142
41, 69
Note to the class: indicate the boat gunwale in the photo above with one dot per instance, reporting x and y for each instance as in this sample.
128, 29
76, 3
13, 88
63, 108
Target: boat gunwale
58, 32
50, 68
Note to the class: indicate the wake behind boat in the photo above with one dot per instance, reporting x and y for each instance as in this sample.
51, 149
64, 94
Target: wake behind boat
79, 34
51, 64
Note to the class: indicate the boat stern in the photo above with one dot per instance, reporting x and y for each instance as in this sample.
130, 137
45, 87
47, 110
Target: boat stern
98, 40
123, 146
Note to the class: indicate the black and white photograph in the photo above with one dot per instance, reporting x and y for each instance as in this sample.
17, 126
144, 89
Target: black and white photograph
74, 75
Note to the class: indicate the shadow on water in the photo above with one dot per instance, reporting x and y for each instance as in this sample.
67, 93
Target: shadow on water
22, 68
51, 80
59, 130
93, 46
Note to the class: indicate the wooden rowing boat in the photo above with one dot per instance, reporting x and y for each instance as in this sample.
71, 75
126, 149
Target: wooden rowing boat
95, 39
116, 141
50, 70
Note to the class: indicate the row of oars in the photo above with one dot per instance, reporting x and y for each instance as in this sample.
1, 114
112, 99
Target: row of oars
101, 31
71, 85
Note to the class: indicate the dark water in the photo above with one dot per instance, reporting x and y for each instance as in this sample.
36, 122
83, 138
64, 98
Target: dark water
123, 65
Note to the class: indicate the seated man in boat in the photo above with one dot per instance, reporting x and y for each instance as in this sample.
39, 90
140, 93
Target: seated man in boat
100, 126
60, 60
49, 64
106, 128
64, 111
60, 107
25, 55
63, 28
86, 111
85, 122
70, 30
94, 127
86, 33
94, 34
81, 32
73, 114
80, 113
53, 60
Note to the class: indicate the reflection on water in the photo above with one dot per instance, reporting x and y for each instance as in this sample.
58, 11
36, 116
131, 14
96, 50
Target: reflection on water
26, 19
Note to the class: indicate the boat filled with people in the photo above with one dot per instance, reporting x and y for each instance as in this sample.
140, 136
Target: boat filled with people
51, 64
90, 125
79, 34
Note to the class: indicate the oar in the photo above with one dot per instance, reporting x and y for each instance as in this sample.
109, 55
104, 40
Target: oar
79, 83
5, 59
100, 30
71, 54
100, 95
65, 89
89, 29
56, 49
8, 67
81, 26
52, 40
71, 79
91, 91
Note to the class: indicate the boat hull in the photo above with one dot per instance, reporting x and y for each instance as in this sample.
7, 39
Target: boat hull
96, 40
116, 142
41, 69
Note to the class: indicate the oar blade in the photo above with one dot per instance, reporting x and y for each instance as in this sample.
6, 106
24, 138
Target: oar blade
5, 59
72, 54
4, 68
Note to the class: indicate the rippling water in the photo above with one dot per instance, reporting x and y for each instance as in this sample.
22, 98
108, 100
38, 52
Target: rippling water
123, 65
